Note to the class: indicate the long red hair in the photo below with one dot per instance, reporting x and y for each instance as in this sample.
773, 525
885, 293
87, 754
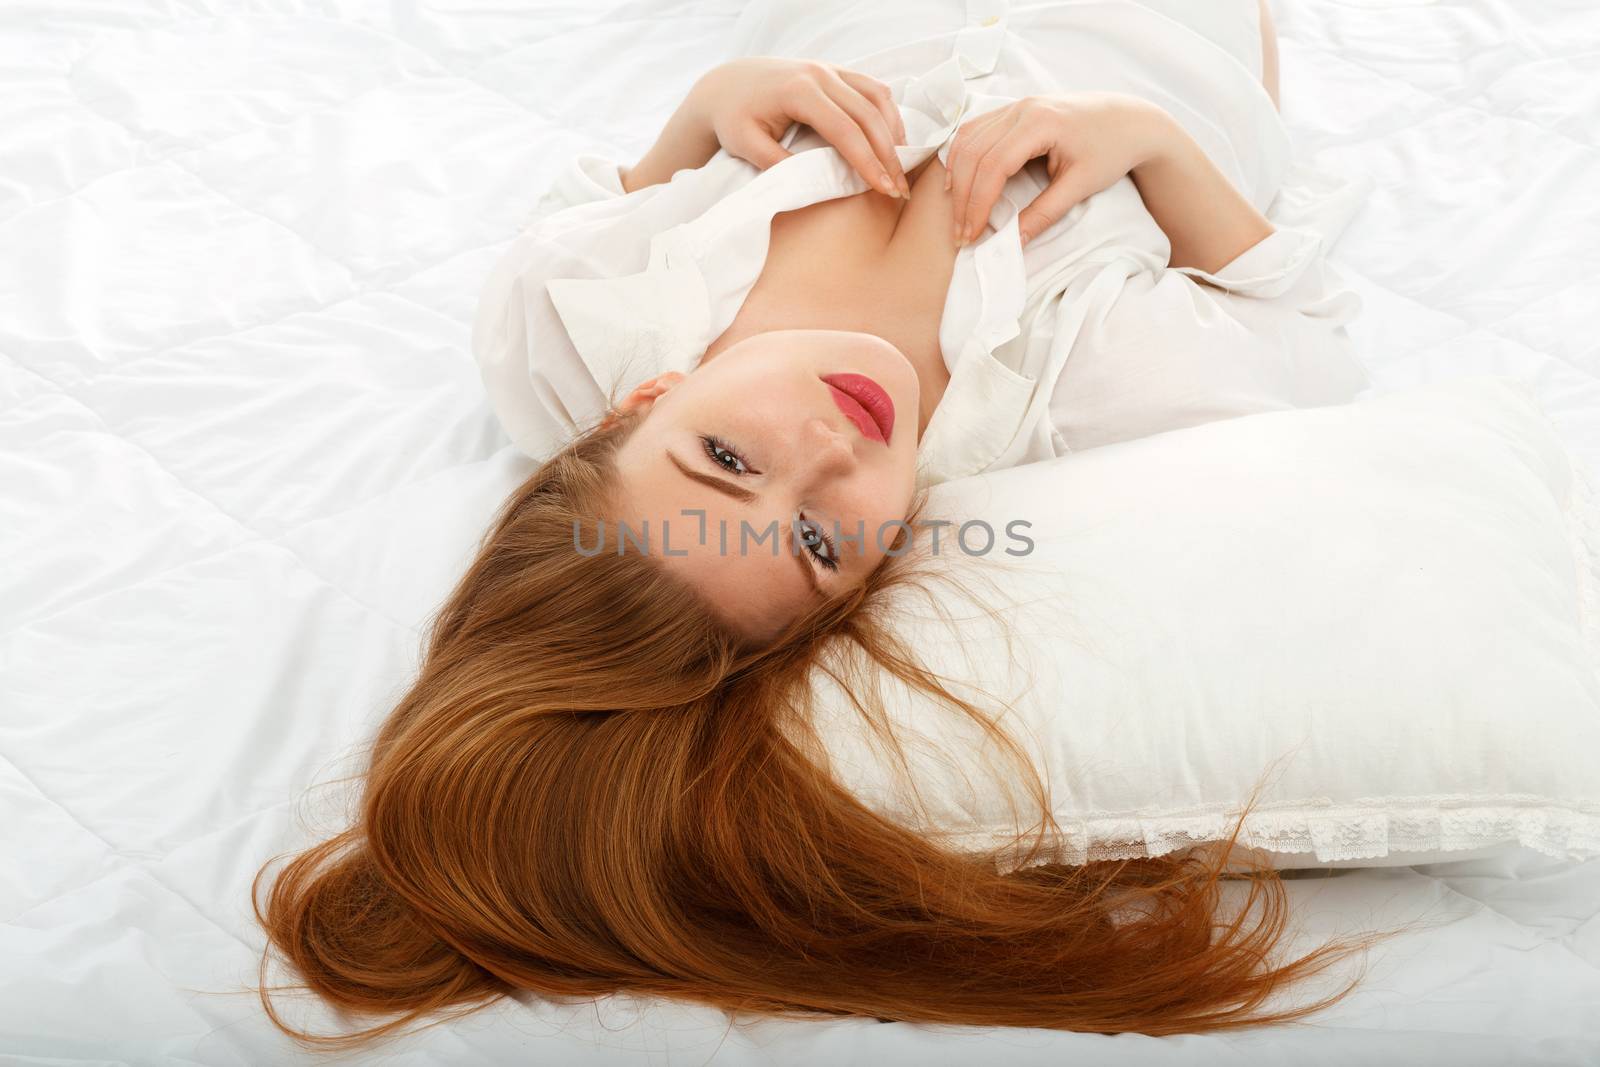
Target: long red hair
593, 786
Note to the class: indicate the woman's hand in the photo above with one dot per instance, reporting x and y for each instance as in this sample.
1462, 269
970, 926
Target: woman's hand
749, 103
1089, 142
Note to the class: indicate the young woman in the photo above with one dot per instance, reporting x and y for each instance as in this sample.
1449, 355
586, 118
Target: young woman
1022, 235
824, 287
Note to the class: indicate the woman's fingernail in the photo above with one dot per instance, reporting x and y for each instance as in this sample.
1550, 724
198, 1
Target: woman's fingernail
886, 183
905, 187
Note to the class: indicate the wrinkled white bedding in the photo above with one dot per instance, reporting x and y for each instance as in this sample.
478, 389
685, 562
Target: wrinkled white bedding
244, 450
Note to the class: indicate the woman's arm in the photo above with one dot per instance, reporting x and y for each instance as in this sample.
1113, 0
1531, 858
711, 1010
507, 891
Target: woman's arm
1269, 53
687, 141
1090, 141
1208, 222
747, 104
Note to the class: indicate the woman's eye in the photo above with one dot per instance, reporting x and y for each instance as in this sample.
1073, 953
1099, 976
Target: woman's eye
723, 456
818, 543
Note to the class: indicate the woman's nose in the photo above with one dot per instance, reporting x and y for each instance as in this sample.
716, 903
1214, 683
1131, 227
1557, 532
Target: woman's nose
831, 450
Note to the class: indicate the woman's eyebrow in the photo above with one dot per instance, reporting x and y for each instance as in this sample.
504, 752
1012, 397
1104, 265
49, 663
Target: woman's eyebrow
726, 488
739, 492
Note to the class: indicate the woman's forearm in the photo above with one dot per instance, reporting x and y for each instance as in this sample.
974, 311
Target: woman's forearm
1208, 222
687, 141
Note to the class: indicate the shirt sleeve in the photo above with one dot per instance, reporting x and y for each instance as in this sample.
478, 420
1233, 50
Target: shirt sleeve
1288, 265
583, 180
1176, 347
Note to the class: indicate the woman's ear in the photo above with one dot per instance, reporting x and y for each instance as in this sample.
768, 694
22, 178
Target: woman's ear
645, 393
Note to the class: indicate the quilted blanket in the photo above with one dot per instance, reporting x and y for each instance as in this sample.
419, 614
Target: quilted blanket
244, 451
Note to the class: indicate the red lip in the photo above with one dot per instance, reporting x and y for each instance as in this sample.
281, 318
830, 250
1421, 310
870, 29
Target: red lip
864, 403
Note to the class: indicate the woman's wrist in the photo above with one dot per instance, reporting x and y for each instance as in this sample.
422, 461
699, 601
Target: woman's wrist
687, 141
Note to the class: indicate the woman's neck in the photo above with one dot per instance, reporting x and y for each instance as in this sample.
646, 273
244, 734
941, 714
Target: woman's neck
868, 262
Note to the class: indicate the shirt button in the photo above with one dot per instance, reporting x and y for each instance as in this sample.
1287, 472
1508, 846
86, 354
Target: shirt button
991, 20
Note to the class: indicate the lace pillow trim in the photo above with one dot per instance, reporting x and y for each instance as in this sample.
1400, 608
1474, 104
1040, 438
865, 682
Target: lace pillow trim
1363, 830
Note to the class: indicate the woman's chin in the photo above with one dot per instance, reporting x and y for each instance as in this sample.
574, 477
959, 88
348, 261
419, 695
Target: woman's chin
896, 373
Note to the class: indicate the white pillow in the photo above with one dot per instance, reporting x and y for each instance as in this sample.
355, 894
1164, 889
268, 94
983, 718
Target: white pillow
1389, 605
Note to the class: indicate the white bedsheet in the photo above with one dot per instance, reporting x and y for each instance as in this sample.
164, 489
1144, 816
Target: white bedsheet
244, 451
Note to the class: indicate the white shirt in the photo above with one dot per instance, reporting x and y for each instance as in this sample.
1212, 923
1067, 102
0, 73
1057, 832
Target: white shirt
1083, 338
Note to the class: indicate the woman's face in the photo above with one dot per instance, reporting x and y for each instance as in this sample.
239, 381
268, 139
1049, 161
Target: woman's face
765, 441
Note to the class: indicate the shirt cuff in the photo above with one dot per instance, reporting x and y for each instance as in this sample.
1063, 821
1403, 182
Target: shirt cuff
586, 179
1269, 268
